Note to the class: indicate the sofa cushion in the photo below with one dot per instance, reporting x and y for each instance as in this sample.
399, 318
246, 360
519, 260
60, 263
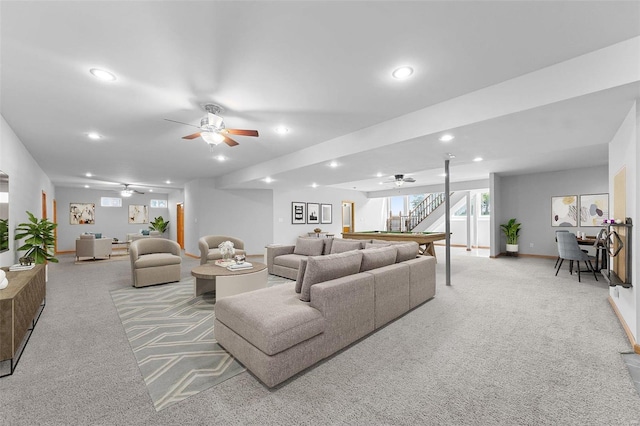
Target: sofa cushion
289, 260
373, 258
341, 245
406, 251
157, 259
301, 269
329, 267
309, 246
328, 242
376, 245
271, 319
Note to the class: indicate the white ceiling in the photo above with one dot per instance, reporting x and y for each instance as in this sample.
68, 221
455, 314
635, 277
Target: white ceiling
322, 69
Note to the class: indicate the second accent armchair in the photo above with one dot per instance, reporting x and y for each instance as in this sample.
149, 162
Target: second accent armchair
90, 246
209, 250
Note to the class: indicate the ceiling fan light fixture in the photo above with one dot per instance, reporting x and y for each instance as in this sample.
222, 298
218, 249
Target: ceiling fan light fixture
126, 193
212, 138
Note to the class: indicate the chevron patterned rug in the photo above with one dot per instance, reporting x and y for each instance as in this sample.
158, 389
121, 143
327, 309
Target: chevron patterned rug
171, 335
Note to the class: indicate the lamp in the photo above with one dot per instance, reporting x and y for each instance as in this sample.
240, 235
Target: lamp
212, 138
399, 182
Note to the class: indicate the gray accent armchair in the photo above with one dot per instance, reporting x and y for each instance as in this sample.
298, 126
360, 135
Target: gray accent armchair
154, 261
90, 246
209, 250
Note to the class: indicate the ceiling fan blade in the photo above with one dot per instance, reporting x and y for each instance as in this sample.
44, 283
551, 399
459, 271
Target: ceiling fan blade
193, 136
180, 122
409, 179
229, 141
241, 132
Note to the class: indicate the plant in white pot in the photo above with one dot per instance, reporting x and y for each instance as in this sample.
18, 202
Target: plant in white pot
511, 230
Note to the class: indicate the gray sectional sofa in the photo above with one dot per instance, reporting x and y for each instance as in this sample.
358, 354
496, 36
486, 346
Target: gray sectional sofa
337, 299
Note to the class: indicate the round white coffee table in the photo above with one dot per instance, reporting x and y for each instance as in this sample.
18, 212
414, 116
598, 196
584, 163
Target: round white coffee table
211, 277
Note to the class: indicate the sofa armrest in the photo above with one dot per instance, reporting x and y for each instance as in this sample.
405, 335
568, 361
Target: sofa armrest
277, 250
348, 307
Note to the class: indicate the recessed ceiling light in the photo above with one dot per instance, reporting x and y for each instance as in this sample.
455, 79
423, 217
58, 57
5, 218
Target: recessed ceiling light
477, 159
379, 174
220, 157
447, 138
86, 186
94, 136
268, 179
450, 155
314, 185
281, 130
333, 164
168, 182
402, 73
102, 74
151, 190
88, 175
442, 175
380, 183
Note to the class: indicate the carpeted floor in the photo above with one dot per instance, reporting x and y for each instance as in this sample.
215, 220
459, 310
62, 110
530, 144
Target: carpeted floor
507, 344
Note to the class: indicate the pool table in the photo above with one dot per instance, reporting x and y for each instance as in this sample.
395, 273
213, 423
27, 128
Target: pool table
424, 239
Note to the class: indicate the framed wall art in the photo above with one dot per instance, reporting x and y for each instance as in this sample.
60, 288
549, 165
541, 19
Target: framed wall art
325, 213
298, 213
564, 210
138, 213
594, 208
82, 213
313, 213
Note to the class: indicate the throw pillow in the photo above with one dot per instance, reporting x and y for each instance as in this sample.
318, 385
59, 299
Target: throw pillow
340, 246
309, 246
300, 277
378, 257
324, 268
406, 251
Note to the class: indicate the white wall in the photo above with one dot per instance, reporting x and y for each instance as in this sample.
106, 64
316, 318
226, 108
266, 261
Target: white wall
246, 214
528, 199
368, 212
623, 152
109, 221
26, 183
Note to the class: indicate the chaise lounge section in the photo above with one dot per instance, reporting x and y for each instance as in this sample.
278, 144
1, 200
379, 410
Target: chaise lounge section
337, 299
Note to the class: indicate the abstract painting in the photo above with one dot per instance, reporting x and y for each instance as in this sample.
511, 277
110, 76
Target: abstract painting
564, 210
82, 213
594, 208
138, 214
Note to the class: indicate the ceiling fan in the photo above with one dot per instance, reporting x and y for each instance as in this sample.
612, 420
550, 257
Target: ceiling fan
213, 130
399, 180
127, 192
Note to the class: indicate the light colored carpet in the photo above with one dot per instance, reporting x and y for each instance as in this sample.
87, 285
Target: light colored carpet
507, 344
171, 335
115, 257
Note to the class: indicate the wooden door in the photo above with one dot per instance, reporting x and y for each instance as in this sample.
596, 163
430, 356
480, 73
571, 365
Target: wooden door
180, 225
348, 216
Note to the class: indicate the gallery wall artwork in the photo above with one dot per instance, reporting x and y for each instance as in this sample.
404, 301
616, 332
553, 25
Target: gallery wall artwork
82, 213
564, 210
313, 213
325, 213
594, 208
298, 213
138, 213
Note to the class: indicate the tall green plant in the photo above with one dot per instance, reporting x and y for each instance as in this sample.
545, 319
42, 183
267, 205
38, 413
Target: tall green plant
39, 238
511, 229
159, 224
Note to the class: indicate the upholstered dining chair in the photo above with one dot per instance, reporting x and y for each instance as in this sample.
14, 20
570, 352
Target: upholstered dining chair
569, 249
558, 259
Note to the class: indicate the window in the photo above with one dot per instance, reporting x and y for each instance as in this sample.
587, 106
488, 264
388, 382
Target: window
462, 211
110, 202
485, 204
158, 204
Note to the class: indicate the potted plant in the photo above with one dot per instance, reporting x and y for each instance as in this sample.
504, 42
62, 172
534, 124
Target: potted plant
159, 224
511, 230
39, 239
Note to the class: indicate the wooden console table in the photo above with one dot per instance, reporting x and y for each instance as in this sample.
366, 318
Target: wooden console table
21, 304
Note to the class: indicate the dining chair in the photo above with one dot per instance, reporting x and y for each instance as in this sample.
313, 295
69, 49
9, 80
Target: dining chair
569, 249
558, 259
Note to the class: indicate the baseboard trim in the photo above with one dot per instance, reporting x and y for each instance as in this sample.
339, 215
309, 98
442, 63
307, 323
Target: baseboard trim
461, 245
66, 252
192, 255
627, 330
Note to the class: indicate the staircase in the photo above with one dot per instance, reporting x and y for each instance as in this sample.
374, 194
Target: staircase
417, 215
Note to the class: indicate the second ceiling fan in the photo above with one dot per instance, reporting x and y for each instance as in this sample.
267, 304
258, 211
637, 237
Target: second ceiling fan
213, 130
